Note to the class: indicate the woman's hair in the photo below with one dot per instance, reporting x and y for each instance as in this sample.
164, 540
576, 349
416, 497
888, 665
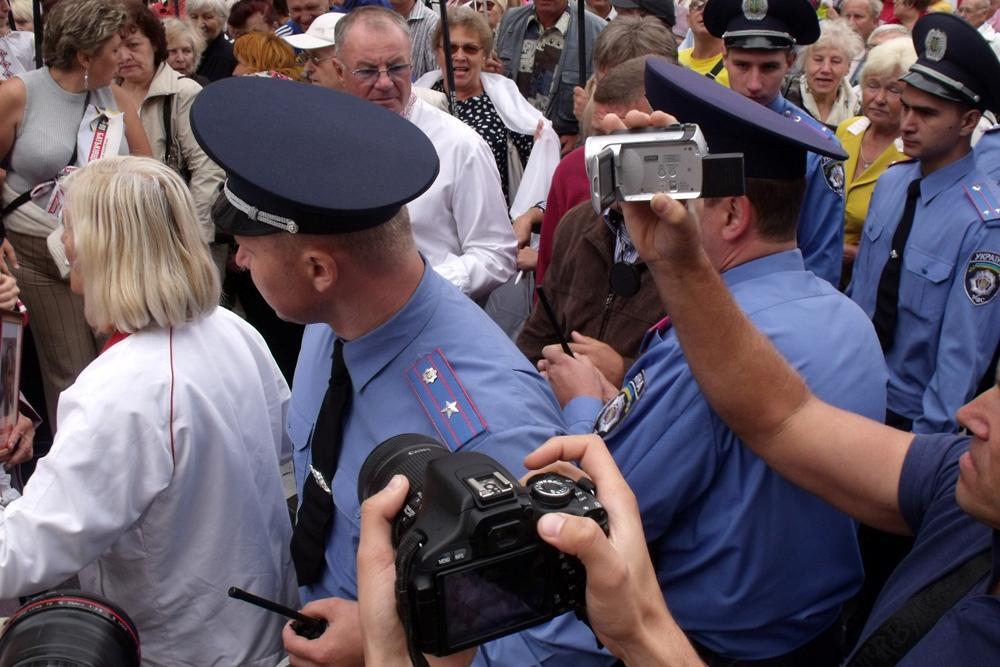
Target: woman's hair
266, 52
838, 35
178, 29
141, 19
469, 19
883, 60
217, 7
80, 26
22, 10
244, 9
629, 37
138, 246
898, 28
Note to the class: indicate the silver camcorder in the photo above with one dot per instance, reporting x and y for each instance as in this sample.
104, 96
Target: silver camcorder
634, 165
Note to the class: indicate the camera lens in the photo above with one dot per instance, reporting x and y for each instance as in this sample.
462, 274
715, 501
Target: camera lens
69, 629
407, 454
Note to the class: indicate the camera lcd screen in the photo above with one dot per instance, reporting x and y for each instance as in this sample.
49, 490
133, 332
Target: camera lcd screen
487, 598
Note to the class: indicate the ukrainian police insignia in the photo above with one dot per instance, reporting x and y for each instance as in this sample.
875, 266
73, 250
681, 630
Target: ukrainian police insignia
982, 277
614, 411
755, 10
935, 44
833, 170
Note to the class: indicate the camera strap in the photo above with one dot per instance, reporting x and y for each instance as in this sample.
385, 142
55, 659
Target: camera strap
405, 559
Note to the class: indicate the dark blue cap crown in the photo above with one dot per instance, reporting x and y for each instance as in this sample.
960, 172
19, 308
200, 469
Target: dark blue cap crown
306, 159
954, 62
762, 24
773, 145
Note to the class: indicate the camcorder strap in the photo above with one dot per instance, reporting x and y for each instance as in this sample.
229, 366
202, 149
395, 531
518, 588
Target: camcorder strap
405, 560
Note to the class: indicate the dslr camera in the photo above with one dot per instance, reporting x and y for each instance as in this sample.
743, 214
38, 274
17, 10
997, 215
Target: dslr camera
470, 566
634, 165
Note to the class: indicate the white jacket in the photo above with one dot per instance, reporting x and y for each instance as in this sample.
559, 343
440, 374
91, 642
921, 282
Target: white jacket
163, 486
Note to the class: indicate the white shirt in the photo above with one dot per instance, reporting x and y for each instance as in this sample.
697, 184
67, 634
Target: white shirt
163, 486
17, 53
460, 224
991, 36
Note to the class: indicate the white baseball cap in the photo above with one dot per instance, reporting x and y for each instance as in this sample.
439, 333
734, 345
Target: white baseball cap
319, 34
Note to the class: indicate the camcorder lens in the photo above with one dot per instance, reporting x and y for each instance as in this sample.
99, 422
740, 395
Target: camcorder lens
406, 454
69, 629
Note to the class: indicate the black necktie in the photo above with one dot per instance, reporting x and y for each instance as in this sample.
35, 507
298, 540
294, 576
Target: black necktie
887, 300
312, 529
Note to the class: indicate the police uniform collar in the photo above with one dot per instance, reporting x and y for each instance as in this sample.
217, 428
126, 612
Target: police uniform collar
786, 260
305, 159
947, 177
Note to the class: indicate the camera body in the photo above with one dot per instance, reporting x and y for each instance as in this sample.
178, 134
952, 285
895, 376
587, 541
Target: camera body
634, 165
470, 565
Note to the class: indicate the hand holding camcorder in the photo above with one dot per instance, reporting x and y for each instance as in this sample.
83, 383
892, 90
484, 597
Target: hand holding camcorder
470, 566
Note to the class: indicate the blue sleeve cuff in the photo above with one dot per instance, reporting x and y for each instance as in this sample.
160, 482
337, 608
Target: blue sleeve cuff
581, 413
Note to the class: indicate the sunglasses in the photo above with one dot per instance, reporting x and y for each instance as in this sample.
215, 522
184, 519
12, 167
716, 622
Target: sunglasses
468, 49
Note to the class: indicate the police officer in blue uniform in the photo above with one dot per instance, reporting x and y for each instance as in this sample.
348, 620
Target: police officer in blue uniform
938, 316
760, 37
391, 347
753, 568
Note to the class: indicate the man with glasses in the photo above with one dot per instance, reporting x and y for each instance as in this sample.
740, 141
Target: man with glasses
705, 57
318, 51
461, 223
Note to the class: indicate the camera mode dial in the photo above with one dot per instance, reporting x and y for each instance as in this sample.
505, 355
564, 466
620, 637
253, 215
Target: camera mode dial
552, 491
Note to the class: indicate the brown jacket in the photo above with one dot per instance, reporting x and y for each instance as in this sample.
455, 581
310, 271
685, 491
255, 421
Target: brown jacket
578, 285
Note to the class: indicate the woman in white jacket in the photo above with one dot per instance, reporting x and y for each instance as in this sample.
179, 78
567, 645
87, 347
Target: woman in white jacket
162, 487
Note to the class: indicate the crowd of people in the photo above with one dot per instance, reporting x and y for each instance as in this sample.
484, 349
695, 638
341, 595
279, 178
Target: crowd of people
254, 234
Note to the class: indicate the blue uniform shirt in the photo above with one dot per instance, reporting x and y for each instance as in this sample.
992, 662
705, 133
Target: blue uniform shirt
821, 218
948, 322
752, 566
988, 152
946, 537
439, 367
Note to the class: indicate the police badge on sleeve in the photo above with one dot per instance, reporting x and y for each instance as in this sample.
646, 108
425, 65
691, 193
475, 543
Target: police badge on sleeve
982, 277
615, 410
833, 171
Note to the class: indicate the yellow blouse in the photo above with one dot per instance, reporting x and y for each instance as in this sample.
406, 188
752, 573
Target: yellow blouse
703, 65
858, 191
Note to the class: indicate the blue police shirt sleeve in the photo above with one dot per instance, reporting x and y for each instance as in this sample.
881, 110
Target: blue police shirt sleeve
821, 220
970, 332
580, 414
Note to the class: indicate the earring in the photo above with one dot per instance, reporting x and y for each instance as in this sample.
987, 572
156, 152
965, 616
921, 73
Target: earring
86, 79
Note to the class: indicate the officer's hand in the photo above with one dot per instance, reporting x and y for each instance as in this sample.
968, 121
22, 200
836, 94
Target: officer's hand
664, 231
339, 645
610, 364
19, 446
568, 376
624, 604
381, 630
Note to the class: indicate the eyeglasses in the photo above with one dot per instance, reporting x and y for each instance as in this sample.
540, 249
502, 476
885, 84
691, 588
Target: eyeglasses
893, 90
370, 75
468, 49
312, 58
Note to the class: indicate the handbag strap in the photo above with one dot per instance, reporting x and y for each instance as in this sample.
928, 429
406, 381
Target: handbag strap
168, 128
907, 626
714, 72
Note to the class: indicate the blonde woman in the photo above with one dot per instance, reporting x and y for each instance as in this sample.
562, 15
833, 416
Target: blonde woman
162, 486
184, 48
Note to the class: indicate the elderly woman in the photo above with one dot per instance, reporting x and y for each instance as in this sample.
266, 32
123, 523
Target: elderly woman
184, 48
264, 53
872, 140
471, 45
209, 16
164, 98
62, 115
823, 89
162, 488
248, 16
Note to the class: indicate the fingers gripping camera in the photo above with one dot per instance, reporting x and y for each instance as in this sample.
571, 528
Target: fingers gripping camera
470, 566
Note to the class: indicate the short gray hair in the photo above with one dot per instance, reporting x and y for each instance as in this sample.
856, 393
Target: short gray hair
178, 29
885, 28
80, 26
378, 18
875, 7
837, 34
217, 7
883, 60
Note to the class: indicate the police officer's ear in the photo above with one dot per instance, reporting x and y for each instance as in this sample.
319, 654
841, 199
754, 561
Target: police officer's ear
739, 214
320, 266
790, 57
969, 120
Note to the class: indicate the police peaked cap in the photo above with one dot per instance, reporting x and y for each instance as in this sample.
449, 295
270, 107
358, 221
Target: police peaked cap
773, 146
954, 62
304, 159
762, 24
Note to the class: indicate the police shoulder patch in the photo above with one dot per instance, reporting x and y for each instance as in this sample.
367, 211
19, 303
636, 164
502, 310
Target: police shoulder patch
833, 171
615, 410
445, 400
985, 198
982, 277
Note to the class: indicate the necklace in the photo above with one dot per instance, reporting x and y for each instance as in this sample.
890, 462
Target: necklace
865, 162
